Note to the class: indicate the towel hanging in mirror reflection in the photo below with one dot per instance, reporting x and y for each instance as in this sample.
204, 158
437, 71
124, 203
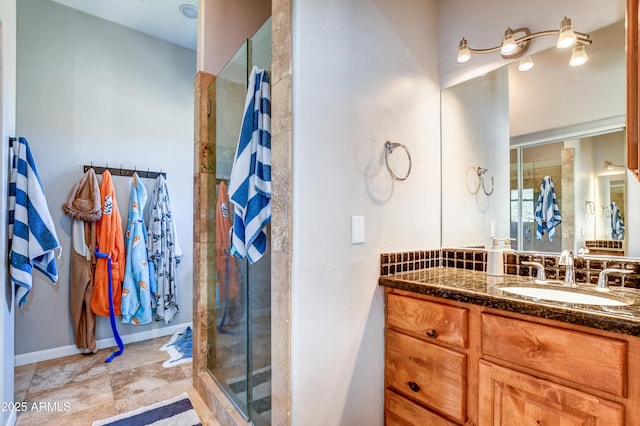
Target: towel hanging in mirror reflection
481, 182
388, 149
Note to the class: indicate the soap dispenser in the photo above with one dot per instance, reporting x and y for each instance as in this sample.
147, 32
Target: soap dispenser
495, 258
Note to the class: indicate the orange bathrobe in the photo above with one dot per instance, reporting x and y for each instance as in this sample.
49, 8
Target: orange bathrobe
225, 263
110, 241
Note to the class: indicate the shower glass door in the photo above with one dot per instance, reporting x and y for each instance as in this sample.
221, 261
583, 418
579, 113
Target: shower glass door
529, 165
239, 301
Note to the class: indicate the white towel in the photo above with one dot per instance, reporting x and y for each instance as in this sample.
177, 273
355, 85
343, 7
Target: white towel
250, 181
617, 226
547, 213
32, 233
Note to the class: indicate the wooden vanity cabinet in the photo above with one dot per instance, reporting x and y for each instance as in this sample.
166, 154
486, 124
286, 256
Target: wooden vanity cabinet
425, 362
450, 363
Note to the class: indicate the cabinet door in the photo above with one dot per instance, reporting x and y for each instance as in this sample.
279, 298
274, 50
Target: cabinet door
510, 398
566, 354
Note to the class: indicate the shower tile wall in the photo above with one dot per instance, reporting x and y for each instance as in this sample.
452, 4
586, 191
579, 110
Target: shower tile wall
281, 235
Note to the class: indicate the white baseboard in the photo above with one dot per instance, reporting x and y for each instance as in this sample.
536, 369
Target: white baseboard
61, 351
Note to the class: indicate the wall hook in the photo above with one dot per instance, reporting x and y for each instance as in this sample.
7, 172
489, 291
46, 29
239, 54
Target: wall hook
481, 181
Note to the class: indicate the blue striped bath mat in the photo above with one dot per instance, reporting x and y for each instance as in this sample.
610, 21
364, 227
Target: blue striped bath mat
174, 411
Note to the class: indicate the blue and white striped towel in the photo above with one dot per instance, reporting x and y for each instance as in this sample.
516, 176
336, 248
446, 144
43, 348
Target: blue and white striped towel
250, 180
547, 213
617, 226
32, 233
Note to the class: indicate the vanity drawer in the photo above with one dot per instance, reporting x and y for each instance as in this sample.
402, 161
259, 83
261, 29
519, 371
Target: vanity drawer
428, 320
402, 412
430, 374
566, 354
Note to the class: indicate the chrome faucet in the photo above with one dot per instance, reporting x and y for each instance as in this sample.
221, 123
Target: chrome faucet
541, 277
603, 284
566, 259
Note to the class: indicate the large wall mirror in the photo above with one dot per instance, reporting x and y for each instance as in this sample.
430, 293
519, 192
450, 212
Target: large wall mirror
553, 121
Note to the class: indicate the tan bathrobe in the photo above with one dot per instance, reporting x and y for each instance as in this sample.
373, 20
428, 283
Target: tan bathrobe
84, 208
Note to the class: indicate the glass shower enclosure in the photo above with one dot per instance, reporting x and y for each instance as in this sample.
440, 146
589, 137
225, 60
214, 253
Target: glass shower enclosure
239, 301
529, 165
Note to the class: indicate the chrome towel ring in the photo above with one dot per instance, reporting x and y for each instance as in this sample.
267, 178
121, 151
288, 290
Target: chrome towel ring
388, 149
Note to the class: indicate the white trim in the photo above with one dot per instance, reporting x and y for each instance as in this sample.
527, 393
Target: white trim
576, 131
61, 351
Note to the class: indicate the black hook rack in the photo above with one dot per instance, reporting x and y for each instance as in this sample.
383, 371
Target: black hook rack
119, 171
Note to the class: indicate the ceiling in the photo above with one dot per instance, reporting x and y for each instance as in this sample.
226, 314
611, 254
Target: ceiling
158, 18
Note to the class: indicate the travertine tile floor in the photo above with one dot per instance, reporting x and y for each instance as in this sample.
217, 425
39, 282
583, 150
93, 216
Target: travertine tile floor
79, 389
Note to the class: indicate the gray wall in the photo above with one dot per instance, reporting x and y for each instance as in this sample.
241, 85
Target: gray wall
92, 91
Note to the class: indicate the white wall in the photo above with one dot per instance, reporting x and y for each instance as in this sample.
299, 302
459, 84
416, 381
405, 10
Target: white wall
92, 91
365, 71
584, 190
483, 24
7, 129
475, 133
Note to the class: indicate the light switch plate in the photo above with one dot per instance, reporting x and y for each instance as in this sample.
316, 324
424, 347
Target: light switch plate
357, 229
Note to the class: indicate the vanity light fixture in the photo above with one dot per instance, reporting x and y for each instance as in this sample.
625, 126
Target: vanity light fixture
514, 46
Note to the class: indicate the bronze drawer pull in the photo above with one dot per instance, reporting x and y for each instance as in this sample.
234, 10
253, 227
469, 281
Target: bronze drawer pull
433, 333
414, 386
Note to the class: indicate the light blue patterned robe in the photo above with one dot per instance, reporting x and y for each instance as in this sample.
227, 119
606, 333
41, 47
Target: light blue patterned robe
136, 295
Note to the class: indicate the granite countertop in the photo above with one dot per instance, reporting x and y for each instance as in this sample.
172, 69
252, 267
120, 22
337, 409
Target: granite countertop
478, 288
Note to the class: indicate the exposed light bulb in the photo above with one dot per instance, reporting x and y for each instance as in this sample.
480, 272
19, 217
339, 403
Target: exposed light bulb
566, 36
464, 54
525, 64
578, 56
509, 46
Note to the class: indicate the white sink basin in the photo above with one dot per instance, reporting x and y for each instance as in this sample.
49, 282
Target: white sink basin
567, 295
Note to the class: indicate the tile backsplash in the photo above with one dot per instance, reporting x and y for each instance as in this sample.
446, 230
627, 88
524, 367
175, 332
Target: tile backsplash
587, 268
395, 263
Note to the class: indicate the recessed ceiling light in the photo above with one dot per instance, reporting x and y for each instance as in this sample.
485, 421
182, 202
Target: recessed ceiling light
188, 10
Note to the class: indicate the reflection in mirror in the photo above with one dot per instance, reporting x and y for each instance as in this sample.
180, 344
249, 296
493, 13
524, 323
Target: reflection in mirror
609, 222
553, 112
589, 191
536, 163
